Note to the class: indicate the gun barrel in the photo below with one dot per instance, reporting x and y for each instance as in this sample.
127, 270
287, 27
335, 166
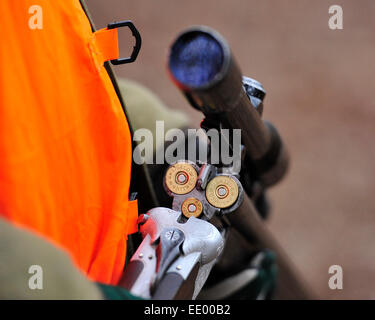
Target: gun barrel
246, 221
202, 66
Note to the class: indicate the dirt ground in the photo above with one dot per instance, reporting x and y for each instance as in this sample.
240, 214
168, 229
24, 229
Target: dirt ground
319, 86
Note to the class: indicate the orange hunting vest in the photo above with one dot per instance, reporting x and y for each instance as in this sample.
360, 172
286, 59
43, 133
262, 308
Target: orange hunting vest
65, 145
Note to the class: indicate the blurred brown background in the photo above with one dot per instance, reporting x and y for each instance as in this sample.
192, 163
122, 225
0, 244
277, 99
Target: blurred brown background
319, 86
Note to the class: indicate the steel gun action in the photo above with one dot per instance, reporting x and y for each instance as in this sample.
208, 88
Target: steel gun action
211, 203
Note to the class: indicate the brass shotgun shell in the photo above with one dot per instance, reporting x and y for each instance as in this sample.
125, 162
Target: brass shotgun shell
181, 178
222, 192
192, 207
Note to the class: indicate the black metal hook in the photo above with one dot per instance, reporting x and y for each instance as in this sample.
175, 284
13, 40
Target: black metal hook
136, 35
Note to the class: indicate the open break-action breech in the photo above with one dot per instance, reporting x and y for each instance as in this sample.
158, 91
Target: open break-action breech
211, 202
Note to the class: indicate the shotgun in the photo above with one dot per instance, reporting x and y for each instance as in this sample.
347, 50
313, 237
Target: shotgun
226, 200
